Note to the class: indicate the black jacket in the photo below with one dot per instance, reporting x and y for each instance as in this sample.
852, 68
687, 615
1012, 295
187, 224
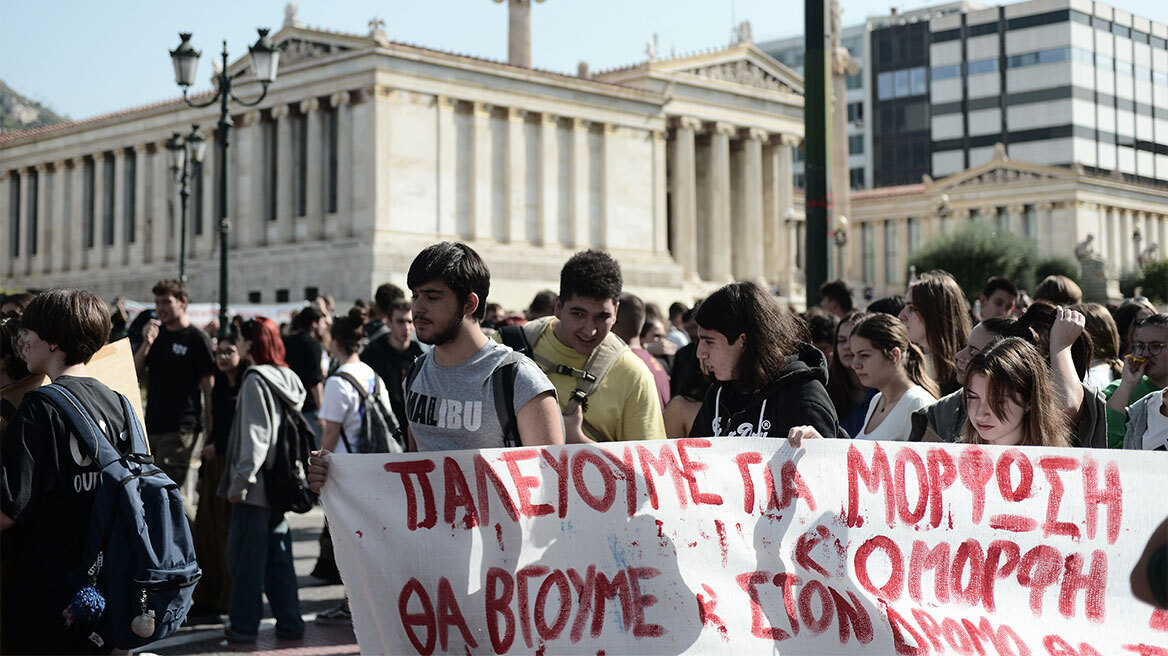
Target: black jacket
796, 397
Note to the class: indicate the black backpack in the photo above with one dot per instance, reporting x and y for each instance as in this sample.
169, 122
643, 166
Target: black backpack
138, 555
379, 429
503, 388
286, 481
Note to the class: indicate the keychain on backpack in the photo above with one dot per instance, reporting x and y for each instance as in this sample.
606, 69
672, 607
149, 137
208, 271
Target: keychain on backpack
88, 604
143, 624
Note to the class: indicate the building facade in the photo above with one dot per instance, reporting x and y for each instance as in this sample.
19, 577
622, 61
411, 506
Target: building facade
365, 151
1059, 82
1056, 208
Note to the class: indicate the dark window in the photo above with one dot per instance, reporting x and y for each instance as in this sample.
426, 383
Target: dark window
856, 111
108, 188
1120, 30
1140, 37
1157, 42
300, 157
310, 293
856, 178
1038, 19
331, 163
14, 216
800, 181
855, 144
281, 295
129, 193
855, 81
1101, 24
947, 35
255, 297
946, 72
34, 181
984, 28
1080, 17
271, 165
197, 179
88, 210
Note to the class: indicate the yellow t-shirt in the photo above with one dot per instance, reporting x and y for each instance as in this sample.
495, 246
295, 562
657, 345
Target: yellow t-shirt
625, 407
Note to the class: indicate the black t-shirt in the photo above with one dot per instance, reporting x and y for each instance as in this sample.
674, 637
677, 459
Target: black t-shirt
303, 355
176, 364
47, 485
223, 399
392, 365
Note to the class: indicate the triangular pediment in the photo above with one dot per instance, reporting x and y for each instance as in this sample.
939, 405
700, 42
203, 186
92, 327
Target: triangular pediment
301, 44
743, 64
1003, 172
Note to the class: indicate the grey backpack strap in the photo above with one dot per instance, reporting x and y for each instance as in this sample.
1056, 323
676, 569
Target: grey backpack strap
602, 360
503, 388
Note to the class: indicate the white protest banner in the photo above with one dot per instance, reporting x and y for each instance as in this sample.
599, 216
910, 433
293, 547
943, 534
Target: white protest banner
745, 545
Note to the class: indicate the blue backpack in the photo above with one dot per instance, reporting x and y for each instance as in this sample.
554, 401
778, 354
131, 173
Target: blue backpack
139, 567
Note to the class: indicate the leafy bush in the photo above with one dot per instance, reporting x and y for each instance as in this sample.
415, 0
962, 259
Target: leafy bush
1155, 282
974, 252
1128, 281
1057, 265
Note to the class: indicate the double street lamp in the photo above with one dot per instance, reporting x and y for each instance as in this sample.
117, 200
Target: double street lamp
184, 150
265, 57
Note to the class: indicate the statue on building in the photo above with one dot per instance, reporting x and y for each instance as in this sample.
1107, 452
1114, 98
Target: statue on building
1093, 273
377, 30
651, 48
1147, 256
292, 15
742, 33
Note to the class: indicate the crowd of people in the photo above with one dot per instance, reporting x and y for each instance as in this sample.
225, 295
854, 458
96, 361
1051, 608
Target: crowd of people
589, 362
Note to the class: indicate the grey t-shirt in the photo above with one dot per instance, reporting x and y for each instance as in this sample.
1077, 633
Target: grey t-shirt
451, 408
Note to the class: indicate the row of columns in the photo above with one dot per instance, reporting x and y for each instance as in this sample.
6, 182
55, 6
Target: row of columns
1116, 239
66, 244
731, 192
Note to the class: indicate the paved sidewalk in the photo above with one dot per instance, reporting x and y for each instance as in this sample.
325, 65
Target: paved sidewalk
314, 598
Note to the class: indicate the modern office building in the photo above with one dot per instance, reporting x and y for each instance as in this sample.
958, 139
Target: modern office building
1058, 82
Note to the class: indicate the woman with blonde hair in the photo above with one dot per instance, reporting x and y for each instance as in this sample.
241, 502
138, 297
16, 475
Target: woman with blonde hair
1009, 399
937, 317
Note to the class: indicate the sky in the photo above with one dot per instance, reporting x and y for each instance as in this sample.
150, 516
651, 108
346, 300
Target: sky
84, 58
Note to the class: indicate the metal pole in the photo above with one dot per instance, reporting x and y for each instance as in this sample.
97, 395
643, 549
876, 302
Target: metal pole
184, 197
224, 223
817, 104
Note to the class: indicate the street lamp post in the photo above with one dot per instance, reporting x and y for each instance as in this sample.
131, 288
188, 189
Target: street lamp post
183, 150
265, 57
840, 236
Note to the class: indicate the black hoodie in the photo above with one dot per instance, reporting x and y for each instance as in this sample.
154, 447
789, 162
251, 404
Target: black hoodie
796, 397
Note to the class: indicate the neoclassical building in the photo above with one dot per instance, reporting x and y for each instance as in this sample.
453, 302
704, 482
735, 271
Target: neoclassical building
365, 151
1055, 207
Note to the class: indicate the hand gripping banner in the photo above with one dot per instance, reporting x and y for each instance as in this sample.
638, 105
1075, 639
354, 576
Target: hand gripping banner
745, 545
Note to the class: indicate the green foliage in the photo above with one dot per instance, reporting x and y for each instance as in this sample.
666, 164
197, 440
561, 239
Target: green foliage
974, 252
1128, 281
1155, 282
1056, 265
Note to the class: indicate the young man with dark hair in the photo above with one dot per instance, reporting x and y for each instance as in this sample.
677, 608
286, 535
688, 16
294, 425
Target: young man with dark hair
630, 322
836, 297
593, 371
391, 354
385, 295
177, 360
543, 305
47, 478
676, 332
997, 298
305, 355
768, 380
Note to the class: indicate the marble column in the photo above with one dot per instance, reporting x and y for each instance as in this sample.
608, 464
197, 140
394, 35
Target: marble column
1162, 238
609, 153
771, 214
747, 229
96, 252
786, 209
134, 249
281, 231
348, 176
1015, 212
38, 260
685, 197
163, 233
1127, 257
6, 182
714, 209
75, 222
481, 173
115, 252
516, 177
549, 180
314, 180
58, 212
581, 217
447, 167
660, 192
247, 225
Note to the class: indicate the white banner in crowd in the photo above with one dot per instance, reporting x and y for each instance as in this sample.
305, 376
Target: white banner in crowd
745, 545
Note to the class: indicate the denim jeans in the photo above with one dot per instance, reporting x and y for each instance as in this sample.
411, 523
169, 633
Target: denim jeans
259, 556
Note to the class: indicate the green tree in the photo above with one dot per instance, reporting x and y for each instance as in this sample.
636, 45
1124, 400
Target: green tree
1155, 281
974, 252
1057, 265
